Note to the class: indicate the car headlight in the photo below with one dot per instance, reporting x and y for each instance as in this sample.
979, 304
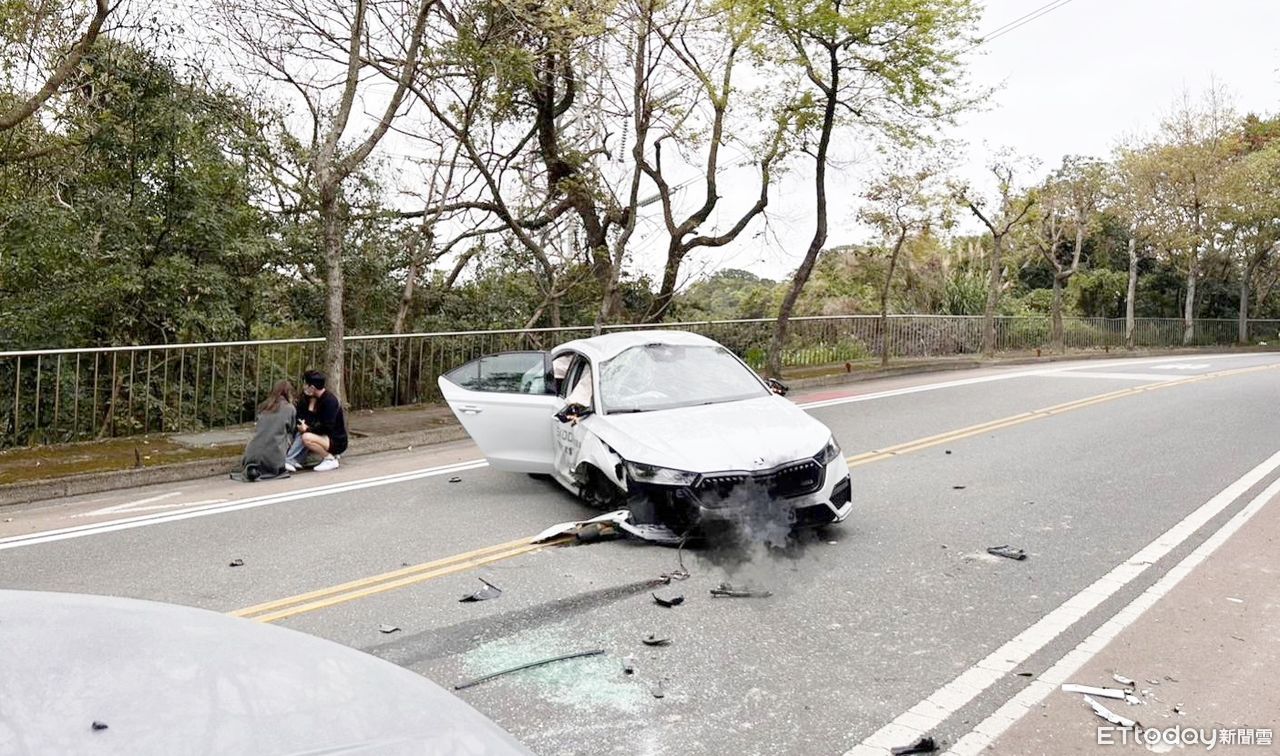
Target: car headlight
663, 476
829, 452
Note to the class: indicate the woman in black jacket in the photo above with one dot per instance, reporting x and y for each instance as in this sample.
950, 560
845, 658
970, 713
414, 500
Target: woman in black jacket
322, 425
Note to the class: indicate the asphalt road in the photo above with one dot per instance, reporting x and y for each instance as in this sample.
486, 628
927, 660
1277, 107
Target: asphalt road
866, 620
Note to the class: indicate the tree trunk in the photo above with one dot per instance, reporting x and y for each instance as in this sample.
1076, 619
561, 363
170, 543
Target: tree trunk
411, 277
667, 292
884, 299
1245, 276
1056, 338
1131, 295
993, 298
773, 366
1189, 309
330, 215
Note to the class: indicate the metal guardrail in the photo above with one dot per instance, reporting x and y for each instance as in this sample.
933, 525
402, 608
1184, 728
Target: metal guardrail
58, 396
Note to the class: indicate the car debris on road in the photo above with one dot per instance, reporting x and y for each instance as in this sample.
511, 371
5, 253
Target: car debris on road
923, 745
653, 640
1008, 552
489, 591
236, 563
99, 725
676, 600
1110, 715
725, 590
1089, 690
387, 629
530, 665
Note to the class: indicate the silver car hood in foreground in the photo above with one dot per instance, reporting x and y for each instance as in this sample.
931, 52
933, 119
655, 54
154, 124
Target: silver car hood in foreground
170, 679
752, 434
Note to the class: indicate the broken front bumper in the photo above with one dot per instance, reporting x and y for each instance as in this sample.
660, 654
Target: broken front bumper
803, 494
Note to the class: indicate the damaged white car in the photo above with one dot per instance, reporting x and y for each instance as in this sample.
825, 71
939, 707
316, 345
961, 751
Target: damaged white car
669, 425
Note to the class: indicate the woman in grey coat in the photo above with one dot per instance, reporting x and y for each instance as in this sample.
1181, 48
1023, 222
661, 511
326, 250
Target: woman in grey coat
277, 421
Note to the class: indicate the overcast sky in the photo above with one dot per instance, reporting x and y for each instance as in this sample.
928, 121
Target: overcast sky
1071, 82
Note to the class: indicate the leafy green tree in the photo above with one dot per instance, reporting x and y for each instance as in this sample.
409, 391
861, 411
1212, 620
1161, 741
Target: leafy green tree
147, 231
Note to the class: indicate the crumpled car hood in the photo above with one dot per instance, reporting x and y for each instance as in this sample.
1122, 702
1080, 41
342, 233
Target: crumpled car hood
753, 434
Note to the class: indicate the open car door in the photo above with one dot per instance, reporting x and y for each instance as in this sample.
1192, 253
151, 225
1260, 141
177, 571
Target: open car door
503, 402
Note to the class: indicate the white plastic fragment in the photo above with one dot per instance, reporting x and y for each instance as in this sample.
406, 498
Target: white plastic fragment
1109, 715
618, 517
1089, 690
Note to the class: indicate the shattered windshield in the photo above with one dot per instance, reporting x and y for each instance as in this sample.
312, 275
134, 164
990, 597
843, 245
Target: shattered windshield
665, 376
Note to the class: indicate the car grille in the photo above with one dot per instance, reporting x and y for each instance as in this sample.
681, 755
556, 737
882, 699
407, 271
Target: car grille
785, 482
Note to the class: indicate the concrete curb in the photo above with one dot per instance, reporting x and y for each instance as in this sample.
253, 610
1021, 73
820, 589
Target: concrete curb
114, 480
76, 485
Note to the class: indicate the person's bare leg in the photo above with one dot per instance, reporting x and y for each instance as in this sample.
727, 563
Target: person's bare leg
320, 445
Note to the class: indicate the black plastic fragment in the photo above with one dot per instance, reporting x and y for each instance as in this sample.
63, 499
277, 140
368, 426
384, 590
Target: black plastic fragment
99, 725
676, 600
1008, 552
923, 745
236, 563
530, 665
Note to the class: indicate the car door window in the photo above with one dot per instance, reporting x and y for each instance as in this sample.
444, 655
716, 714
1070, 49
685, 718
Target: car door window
509, 373
577, 387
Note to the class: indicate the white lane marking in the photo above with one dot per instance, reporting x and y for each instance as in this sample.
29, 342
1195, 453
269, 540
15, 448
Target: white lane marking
1114, 376
133, 506
993, 726
1137, 361
1181, 366
80, 531
935, 709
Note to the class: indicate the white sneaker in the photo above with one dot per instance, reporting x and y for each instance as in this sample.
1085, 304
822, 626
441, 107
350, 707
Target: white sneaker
290, 467
328, 463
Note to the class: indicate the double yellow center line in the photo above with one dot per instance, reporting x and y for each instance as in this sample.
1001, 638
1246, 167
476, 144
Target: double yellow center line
273, 611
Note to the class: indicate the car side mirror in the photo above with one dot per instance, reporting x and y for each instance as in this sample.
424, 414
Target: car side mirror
778, 387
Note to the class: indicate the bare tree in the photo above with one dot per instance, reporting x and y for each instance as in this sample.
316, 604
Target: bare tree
1251, 217
1194, 145
1070, 198
901, 204
708, 49
1012, 207
315, 48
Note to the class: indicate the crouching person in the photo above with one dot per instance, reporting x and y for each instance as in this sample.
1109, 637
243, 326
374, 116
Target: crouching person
264, 457
322, 426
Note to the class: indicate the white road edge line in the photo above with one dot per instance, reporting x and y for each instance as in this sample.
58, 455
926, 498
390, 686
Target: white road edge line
193, 510
1058, 371
950, 698
133, 505
1018, 706
80, 531
1112, 376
